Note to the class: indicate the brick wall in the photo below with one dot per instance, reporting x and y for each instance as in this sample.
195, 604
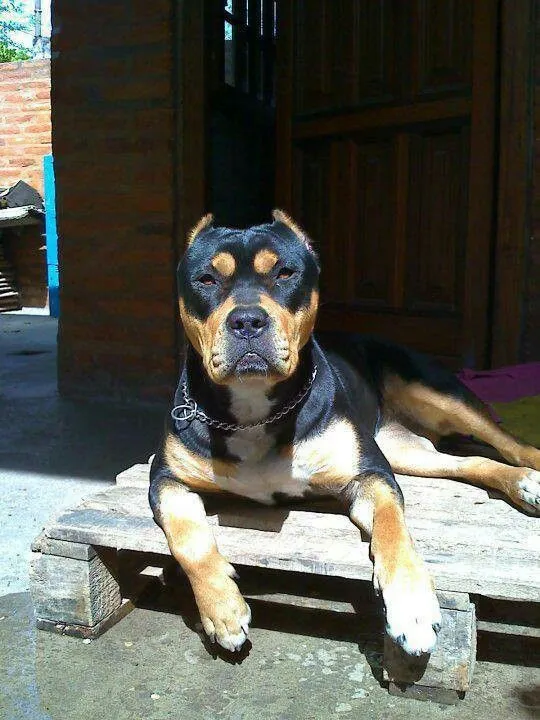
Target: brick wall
531, 310
25, 137
113, 147
25, 121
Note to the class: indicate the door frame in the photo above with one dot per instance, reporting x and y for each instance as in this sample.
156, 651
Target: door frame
190, 23
514, 181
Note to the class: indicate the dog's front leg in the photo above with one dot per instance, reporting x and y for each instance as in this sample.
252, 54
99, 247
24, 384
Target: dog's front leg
225, 616
413, 616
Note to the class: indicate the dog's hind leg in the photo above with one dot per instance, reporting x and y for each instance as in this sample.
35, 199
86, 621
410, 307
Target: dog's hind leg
412, 611
180, 513
445, 414
410, 454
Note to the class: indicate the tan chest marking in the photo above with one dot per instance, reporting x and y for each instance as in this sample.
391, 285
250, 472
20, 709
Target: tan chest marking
324, 463
331, 459
196, 472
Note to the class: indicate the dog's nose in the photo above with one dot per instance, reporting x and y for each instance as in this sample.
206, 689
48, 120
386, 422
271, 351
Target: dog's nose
248, 322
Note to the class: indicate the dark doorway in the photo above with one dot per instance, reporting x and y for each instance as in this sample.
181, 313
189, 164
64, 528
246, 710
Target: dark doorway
241, 127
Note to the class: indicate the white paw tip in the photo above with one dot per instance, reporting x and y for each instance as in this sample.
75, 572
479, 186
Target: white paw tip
413, 623
419, 641
232, 642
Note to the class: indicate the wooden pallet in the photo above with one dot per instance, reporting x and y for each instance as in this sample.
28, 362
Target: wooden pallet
474, 545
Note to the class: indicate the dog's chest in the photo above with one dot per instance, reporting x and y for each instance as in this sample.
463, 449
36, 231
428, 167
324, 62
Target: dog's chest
329, 456
262, 470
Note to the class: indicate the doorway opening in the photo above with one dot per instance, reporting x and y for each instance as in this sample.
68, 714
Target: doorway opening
242, 112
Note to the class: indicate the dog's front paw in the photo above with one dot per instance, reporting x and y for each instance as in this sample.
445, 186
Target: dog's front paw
413, 616
225, 615
527, 493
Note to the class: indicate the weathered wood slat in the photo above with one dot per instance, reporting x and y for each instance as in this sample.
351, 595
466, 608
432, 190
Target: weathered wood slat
487, 548
86, 631
472, 529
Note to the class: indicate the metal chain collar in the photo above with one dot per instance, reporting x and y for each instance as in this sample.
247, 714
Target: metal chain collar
189, 410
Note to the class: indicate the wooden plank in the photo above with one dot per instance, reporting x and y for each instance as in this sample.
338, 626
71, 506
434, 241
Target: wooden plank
319, 543
308, 603
137, 475
284, 106
460, 504
453, 601
511, 629
400, 327
478, 248
431, 511
306, 526
374, 118
84, 631
76, 551
400, 219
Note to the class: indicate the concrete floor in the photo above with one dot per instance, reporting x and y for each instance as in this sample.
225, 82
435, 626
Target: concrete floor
153, 664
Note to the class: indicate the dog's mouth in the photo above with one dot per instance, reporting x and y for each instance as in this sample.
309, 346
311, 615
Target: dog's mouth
251, 363
265, 359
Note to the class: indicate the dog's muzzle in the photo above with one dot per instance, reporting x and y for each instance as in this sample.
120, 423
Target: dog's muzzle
251, 341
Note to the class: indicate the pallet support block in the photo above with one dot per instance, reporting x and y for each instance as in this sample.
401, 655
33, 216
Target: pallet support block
75, 588
446, 674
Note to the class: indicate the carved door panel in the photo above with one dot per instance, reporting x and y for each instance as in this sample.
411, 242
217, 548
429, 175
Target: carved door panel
385, 154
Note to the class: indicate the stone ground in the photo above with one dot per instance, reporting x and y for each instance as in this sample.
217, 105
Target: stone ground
153, 665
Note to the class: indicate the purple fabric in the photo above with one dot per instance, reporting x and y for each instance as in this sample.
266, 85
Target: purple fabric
504, 384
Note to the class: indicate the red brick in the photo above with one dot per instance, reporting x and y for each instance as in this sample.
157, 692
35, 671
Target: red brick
20, 162
114, 135
13, 98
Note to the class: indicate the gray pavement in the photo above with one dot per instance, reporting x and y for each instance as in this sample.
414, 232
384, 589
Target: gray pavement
153, 664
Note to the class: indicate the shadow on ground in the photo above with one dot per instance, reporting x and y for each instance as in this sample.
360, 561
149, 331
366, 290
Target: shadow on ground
53, 451
43, 433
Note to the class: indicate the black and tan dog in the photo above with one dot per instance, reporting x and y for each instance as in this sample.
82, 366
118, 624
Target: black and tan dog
266, 411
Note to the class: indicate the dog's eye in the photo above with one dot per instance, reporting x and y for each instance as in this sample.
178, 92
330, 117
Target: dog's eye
207, 279
285, 273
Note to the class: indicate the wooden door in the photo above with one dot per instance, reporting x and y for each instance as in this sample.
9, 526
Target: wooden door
386, 115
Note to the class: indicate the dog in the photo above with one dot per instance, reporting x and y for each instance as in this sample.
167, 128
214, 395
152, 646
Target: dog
266, 410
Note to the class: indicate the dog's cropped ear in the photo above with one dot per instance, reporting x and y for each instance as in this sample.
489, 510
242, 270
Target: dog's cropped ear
205, 223
281, 218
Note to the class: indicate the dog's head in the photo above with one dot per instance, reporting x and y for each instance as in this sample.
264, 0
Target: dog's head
248, 298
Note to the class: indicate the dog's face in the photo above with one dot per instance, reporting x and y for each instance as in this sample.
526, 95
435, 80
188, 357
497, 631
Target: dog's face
248, 298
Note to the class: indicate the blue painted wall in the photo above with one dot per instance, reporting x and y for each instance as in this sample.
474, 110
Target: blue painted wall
51, 236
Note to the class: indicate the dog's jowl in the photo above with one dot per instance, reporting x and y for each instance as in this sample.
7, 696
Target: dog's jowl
266, 410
